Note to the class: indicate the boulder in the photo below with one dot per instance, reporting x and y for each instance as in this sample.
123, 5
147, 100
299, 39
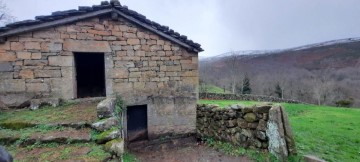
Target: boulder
106, 108
105, 124
250, 117
16, 100
275, 133
36, 103
108, 136
115, 147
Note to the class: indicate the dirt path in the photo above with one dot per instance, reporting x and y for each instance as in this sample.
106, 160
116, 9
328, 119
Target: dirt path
187, 154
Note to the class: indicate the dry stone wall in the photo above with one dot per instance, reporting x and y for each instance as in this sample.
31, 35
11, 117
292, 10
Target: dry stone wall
218, 96
263, 127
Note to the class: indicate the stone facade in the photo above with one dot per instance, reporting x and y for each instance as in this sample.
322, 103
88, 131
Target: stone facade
263, 127
140, 66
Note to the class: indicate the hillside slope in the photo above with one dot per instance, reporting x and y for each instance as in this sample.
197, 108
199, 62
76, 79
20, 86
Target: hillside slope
335, 64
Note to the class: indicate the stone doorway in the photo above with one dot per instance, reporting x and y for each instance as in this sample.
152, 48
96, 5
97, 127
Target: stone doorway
137, 128
90, 75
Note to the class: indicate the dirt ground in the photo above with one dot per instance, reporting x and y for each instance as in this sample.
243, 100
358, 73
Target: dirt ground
187, 154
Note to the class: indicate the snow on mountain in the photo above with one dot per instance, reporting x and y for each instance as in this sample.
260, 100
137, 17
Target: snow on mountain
255, 53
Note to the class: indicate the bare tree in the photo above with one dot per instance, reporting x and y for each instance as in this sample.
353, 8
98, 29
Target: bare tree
233, 68
5, 16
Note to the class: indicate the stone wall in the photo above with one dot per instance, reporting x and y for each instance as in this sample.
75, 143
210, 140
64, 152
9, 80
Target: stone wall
218, 96
140, 66
263, 127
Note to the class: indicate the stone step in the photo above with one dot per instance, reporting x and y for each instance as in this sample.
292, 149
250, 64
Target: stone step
59, 152
24, 125
67, 135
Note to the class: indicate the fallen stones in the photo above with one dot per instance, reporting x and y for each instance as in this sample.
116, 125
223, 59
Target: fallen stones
36, 103
106, 108
105, 124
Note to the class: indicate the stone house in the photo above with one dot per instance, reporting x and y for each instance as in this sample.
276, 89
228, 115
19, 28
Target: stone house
103, 51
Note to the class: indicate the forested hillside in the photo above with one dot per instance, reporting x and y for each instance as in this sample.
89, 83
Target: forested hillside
324, 73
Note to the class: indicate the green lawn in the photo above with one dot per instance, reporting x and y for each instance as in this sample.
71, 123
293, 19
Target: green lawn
328, 132
215, 89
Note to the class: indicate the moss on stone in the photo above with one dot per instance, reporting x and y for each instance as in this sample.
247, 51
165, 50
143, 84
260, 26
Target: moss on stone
16, 125
104, 135
108, 145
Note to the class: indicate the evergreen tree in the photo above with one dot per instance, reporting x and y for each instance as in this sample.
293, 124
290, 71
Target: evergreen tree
246, 89
278, 90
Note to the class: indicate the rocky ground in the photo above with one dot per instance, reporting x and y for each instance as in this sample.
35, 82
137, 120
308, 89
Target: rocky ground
196, 153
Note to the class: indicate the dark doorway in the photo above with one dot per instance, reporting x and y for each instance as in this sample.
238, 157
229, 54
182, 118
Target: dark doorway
137, 123
90, 74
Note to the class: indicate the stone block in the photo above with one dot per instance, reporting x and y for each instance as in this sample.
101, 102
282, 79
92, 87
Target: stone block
4, 56
36, 56
26, 74
124, 64
16, 100
37, 87
35, 62
63, 88
276, 134
47, 73
123, 88
12, 85
51, 47
99, 32
133, 41
17, 46
6, 67
32, 45
68, 72
61, 60
106, 108
106, 124
6, 75
115, 147
46, 34
23, 55
117, 73
86, 46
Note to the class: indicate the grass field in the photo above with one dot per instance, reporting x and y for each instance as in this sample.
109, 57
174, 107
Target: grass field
330, 133
215, 89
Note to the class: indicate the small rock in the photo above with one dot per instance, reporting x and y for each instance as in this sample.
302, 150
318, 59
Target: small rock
115, 146
105, 124
106, 108
247, 133
250, 117
36, 103
311, 158
261, 135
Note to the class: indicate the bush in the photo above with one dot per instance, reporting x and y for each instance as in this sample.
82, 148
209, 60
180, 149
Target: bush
344, 103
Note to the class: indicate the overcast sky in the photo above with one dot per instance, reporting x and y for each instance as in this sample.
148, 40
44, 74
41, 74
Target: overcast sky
231, 25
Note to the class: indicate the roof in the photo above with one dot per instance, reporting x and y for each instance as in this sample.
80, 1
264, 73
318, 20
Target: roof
112, 8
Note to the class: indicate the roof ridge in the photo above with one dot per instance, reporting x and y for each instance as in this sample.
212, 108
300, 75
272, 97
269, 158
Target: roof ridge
105, 5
